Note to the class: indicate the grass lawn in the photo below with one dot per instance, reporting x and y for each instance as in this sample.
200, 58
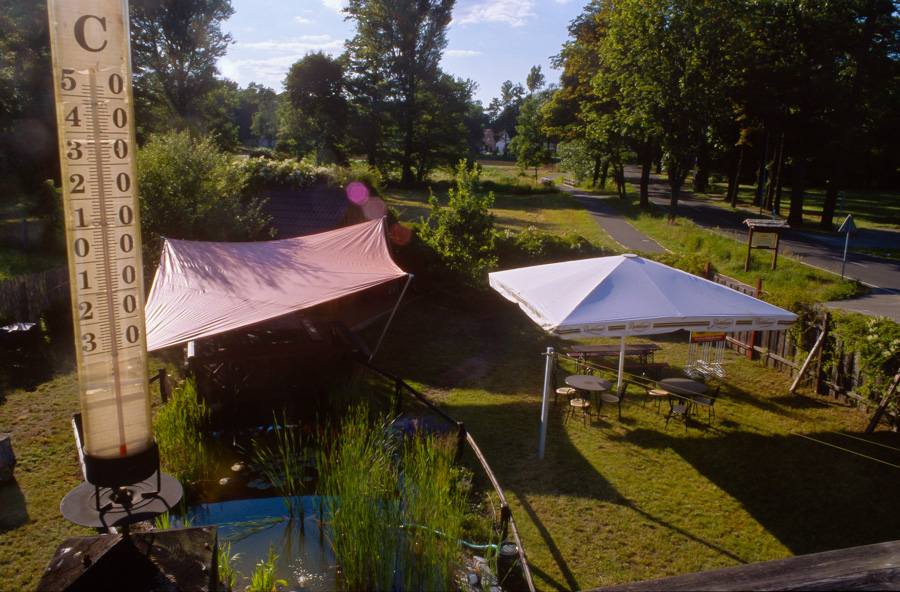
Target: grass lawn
614, 501
870, 208
627, 500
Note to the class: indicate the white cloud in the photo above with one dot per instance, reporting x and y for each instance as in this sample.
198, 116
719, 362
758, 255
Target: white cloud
335, 5
515, 13
298, 45
463, 53
302, 21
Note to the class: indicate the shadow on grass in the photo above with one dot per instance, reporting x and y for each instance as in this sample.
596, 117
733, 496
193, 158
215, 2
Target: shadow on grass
799, 487
15, 510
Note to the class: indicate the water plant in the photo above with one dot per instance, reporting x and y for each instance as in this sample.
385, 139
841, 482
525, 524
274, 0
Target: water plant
178, 427
263, 577
228, 574
283, 464
394, 517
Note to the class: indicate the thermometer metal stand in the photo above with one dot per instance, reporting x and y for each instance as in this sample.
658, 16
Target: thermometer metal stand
95, 120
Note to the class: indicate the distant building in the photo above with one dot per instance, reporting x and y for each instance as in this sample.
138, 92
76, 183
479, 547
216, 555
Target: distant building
495, 142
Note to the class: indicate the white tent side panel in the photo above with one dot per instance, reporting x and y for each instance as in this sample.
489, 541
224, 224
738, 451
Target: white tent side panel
205, 288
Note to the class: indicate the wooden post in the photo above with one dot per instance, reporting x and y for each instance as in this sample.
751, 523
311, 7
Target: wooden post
821, 355
775, 256
879, 412
505, 514
460, 439
163, 387
706, 272
749, 248
808, 360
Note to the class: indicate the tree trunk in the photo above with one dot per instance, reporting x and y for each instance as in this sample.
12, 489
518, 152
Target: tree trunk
760, 176
676, 181
646, 165
604, 173
597, 162
798, 186
862, 61
701, 179
733, 190
779, 178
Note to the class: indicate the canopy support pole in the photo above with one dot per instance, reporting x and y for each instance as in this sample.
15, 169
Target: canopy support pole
409, 278
621, 366
545, 405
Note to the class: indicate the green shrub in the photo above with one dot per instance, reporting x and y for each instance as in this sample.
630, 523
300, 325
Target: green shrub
288, 174
191, 190
463, 233
533, 246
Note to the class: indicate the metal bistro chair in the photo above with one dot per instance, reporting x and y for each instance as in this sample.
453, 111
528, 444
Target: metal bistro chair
617, 398
710, 404
658, 394
678, 407
566, 391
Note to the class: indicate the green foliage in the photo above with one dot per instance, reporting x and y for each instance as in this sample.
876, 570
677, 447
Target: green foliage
228, 575
263, 577
283, 465
463, 233
191, 190
47, 206
178, 427
533, 246
393, 525
576, 157
531, 143
875, 341
287, 173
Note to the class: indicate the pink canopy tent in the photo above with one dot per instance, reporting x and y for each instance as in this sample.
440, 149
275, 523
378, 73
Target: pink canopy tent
206, 288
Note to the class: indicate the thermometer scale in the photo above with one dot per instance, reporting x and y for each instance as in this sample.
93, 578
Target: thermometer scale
95, 121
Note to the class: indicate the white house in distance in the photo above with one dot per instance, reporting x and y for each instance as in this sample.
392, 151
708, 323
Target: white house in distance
495, 142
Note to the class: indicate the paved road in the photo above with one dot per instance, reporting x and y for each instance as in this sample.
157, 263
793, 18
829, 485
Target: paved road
616, 226
881, 275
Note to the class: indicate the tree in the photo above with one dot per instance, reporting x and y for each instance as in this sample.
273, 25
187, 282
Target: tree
530, 143
664, 62
191, 190
28, 148
396, 50
314, 87
535, 80
175, 45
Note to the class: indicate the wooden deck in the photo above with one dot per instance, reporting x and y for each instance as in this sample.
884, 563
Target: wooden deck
872, 567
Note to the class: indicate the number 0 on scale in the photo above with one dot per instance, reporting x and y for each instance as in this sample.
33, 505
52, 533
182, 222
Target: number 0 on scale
92, 75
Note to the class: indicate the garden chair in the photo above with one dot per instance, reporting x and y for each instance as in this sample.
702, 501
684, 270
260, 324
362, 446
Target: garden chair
710, 403
677, 407
566, 391
658, 394
578, 403
617, 398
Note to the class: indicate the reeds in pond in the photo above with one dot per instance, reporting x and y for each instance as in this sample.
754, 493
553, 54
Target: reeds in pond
178, 427
393, 519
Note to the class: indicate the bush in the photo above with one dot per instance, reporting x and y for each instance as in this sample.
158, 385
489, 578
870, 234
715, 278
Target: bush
190, 190
463, 233
288, 174
533, 246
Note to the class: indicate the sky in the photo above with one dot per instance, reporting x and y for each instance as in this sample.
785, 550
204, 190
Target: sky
489, 41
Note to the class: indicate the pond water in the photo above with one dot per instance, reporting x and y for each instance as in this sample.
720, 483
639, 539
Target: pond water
305, 559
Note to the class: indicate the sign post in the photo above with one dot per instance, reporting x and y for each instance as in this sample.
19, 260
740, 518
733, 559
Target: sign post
848, 227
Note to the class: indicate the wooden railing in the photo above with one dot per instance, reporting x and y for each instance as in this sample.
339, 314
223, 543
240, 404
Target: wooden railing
507, 523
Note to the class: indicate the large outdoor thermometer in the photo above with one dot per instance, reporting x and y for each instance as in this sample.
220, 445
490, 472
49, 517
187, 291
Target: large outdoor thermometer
92, 76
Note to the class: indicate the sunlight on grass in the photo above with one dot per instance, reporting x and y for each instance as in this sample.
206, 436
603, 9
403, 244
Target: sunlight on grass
628, 500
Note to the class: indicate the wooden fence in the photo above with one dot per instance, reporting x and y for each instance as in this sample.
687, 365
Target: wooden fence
832, 372
25, 298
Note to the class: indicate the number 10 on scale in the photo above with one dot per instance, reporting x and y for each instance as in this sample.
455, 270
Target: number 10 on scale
92, 77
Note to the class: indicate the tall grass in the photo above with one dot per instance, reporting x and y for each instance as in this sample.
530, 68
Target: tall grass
393, 514
283, 465
179, 426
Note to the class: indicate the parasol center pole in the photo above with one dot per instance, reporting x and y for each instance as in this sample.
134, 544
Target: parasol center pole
545, 405
621, 365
